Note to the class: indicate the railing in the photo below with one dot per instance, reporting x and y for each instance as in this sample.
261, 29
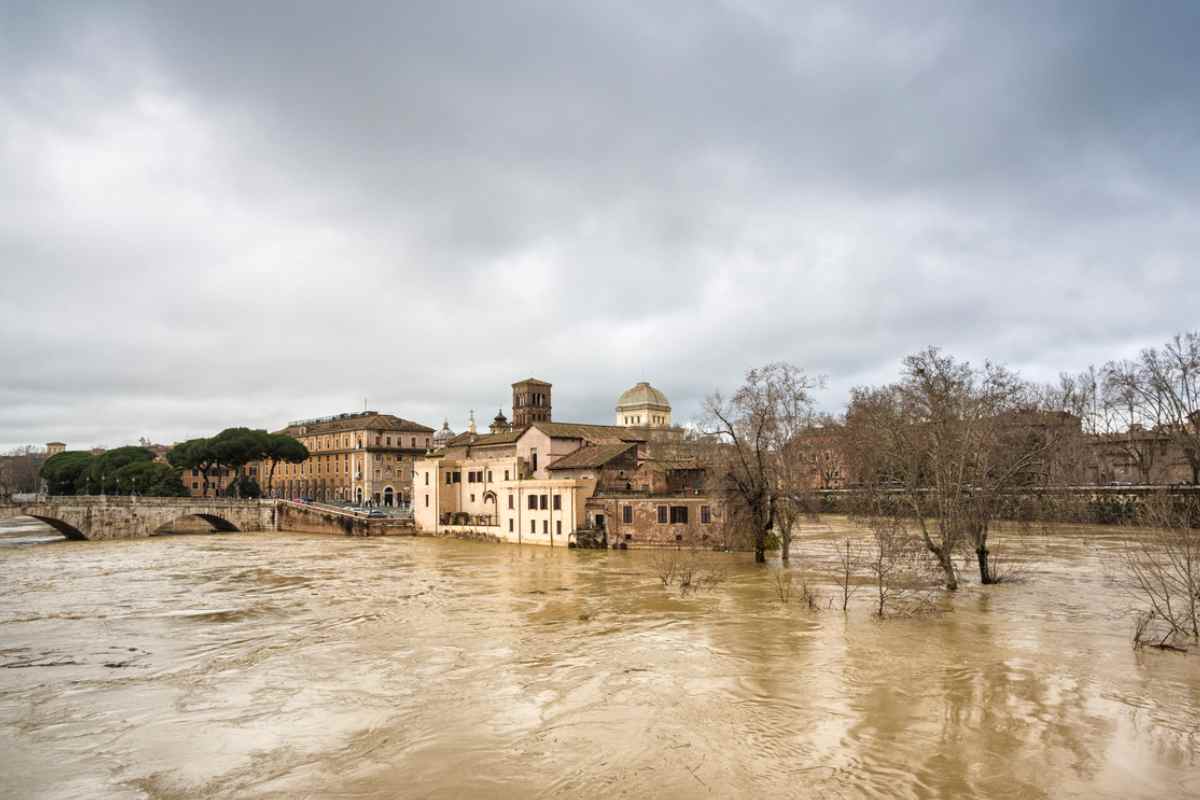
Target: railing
351, 513
124, 499
463, 519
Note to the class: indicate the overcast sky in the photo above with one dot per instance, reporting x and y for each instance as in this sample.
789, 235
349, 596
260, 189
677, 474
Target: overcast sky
217, 214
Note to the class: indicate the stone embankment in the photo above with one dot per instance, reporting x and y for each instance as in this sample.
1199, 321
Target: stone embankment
318, 518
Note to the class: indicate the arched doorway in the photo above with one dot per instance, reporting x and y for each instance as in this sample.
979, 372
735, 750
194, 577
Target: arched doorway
389, 496
490, 497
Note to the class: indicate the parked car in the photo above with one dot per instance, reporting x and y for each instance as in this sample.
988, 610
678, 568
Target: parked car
375, 512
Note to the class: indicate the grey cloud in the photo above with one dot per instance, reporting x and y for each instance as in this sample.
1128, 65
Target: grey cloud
224, 213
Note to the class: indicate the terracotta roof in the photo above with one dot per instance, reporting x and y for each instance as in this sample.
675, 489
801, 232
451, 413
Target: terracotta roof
596, 455
483, 439
374, 422
593, 434
532, 380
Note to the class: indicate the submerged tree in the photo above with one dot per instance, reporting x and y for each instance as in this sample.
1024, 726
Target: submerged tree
749, 431
946, 444
1160, 568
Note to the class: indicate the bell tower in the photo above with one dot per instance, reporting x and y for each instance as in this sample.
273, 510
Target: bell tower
531, 402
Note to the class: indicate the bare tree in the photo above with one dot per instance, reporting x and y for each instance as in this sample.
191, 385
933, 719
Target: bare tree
945, 445
850, 560
750, 429
687, 564
20, 469
893, 562
1162, 388
1160, 564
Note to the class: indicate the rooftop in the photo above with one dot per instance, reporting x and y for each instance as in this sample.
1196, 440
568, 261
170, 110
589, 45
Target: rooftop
641, 395
593, 455
593, 434
369, 420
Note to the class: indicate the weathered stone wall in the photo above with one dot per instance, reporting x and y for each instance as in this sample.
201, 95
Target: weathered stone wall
646, 531
315, 519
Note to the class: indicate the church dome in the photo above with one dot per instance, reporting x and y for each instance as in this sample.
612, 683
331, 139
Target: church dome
444, 435
643, 396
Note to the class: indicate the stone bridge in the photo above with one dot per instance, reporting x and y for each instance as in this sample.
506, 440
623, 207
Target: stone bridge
106, 517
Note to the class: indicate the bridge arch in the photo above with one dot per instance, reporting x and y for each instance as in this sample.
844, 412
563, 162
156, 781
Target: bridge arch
218, 523
65, 528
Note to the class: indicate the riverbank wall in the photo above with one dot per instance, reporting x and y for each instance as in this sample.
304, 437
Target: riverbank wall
312, 518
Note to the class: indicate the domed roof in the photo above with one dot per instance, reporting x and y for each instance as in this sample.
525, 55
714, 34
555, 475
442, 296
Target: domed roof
444, 435
643, 395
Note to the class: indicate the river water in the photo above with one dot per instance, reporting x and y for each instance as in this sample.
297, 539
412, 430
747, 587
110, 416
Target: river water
296, 665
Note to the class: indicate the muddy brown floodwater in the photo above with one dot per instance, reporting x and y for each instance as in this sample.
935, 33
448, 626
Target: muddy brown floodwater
294, 665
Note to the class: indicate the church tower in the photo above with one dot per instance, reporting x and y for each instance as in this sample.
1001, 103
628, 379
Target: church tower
531, 402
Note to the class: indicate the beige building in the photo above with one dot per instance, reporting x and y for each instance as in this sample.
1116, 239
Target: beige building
360, 457
543, 482
216, 483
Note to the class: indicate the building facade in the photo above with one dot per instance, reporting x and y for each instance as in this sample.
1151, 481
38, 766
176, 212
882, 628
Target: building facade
363, 458
544, 482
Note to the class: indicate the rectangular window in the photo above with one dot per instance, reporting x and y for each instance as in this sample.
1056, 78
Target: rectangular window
627, 514
558, 502
489, 480
389, 441
510, 501
533, 502
545, 526
426, 478
544, 501
558, 526
505, 474
533, 457
414, 441
510, 523
458, 477
472, 498
427, 501
662, 515
679, 515
705, 515
449, 477
532, 526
